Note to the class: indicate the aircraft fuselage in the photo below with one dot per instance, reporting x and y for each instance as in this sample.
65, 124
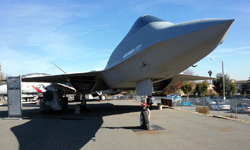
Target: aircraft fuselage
162, 50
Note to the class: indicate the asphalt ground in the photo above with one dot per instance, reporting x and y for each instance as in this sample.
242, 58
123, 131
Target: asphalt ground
114, 124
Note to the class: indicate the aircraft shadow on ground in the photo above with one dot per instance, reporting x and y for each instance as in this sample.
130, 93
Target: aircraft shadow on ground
58, 130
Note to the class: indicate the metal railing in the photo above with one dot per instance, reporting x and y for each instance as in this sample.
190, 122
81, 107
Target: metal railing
212, 104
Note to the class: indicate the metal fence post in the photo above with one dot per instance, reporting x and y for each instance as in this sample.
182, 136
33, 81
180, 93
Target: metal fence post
236, 109
218, 106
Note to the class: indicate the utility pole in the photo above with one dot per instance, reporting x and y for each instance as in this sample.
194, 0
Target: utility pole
224, 97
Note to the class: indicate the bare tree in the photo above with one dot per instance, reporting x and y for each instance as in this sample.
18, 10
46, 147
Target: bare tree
188, 72
172, 87
2, 77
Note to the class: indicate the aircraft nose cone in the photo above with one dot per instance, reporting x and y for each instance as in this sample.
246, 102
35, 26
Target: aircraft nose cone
225, 25
225, 22
219, 21
202, 38
220, 28
208, 23
228, 20
218, 25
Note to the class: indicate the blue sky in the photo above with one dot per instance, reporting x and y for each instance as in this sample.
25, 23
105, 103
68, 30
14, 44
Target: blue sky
80, 36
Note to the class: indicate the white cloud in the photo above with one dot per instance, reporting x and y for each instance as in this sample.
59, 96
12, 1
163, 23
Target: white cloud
242, 8
212, 56
145, 6
33, 34
15, 63
230, 50
246, 52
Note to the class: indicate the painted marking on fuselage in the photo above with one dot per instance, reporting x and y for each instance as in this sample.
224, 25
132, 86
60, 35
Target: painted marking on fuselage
132, 51
38, 90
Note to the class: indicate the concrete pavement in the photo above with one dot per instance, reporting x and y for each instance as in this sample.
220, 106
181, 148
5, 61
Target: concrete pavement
112, 125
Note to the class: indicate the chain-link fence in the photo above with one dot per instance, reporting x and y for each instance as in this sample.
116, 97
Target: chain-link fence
215, 106
219, 107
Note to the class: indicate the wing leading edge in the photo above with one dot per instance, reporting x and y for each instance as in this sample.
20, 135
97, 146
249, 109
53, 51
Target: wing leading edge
161, 84
92, 81
184, 77
83, 82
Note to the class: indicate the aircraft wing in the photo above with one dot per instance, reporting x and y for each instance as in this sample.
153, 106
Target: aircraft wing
160, 84
67, 89
83, 82
62, 78
184, 77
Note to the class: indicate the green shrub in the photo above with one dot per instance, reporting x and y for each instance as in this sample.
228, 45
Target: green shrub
202, 109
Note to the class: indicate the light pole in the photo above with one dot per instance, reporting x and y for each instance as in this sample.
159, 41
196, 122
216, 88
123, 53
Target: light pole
224, 97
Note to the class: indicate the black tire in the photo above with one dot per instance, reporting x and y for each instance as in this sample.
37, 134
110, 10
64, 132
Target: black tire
150, 107
64, 103
242, 111
149, 102
144, 120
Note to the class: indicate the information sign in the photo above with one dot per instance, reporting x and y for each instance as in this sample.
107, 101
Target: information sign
14, 96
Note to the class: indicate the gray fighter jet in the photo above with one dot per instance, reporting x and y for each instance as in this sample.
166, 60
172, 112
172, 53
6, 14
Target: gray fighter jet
151, 55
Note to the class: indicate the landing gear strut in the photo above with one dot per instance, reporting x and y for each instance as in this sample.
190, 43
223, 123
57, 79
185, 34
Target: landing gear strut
145, 88
145, 114
83, 103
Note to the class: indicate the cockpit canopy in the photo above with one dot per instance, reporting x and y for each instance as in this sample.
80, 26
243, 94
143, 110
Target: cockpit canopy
142, 21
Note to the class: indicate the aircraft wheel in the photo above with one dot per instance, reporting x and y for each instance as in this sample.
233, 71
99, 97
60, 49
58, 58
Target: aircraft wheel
102, 97
144, 120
